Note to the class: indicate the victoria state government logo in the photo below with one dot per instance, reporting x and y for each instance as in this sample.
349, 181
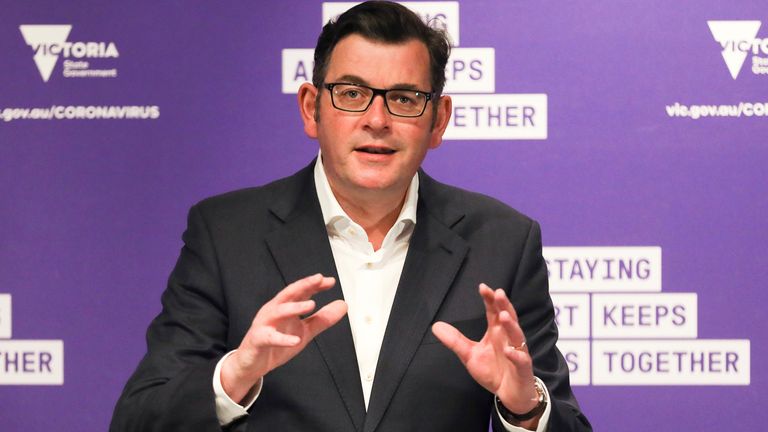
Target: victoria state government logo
49, 42
738, 40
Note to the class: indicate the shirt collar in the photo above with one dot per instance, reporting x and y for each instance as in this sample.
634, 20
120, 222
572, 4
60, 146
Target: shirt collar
332, 210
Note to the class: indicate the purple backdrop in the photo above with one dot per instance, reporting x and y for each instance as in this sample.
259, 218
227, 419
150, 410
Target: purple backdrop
92, 209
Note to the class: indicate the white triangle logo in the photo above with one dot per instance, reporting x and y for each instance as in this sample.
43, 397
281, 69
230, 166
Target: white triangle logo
40, 37
731, 35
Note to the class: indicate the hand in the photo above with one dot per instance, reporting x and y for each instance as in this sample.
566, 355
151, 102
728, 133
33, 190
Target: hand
278, 333
500, 361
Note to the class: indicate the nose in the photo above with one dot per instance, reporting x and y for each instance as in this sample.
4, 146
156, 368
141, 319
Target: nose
377, 117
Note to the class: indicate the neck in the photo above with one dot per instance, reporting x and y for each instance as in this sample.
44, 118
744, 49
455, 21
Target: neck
375, 212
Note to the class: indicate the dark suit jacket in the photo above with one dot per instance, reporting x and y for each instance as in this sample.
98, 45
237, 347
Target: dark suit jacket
243, 247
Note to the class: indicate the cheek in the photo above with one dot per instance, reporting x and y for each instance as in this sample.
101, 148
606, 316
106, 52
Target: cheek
420, 140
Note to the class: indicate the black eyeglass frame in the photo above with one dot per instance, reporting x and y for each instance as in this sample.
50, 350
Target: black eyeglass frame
383, 92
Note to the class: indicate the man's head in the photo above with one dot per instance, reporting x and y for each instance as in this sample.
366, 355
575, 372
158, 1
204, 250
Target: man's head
384, 22
368, 62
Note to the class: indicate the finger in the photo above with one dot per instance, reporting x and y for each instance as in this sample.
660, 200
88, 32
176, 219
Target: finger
305, 288
274, 338
324, 318
453, 339
488, 300
512, 329
291, 309
502, 303
520, 358
292, 290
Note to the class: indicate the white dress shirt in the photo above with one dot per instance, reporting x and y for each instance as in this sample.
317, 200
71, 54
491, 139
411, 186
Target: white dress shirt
368, 281
368, 278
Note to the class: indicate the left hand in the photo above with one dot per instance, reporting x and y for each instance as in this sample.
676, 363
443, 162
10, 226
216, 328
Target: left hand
500, 361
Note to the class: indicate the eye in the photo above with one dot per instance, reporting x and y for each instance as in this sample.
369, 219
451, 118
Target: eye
351, 94
403, 98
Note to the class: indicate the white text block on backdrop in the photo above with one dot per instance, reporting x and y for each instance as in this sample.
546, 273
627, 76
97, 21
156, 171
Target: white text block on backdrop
5, 316
576, 354
604, 268
498, 117
31, 362
297, 68
671, 362
471, 70
439, 14
644, 315
572, 315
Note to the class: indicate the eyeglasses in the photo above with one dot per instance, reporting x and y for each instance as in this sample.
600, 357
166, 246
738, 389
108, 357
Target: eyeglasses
357, 98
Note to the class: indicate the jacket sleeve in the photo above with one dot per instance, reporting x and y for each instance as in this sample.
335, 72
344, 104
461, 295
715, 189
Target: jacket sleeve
530, 297
171, 388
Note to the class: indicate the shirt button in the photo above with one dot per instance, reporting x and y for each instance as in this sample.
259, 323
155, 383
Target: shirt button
368, 319
369, 265
350, 230
369, 376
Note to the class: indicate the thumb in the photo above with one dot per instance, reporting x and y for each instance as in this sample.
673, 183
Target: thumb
453, 339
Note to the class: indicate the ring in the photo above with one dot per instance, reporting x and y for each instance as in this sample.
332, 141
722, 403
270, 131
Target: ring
521, 347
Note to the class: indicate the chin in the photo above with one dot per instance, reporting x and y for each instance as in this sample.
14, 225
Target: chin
375, 183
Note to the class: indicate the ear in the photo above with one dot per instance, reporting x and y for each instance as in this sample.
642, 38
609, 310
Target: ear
442, 117
307, 96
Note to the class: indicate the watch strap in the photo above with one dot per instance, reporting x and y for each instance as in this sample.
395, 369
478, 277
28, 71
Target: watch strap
511, 417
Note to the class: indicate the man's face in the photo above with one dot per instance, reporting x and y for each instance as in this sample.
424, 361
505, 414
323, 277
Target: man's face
373, 150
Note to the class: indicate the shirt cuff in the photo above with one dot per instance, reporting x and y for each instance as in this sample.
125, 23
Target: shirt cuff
228, 410
543, 421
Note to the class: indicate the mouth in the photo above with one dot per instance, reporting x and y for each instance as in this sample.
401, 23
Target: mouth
375, 150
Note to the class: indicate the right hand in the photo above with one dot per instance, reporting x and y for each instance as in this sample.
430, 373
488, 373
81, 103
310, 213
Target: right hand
278, 333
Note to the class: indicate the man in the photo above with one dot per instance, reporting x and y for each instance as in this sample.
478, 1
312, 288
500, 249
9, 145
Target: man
247, 340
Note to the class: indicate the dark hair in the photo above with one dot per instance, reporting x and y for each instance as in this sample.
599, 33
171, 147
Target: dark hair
386, 22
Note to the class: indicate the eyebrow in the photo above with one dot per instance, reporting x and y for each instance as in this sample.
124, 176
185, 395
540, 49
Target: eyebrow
354, 79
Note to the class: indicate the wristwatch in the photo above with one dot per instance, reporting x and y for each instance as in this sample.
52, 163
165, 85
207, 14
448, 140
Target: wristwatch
511, 417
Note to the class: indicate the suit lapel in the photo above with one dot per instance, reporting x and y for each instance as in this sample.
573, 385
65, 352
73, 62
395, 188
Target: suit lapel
300, 248
434, 257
